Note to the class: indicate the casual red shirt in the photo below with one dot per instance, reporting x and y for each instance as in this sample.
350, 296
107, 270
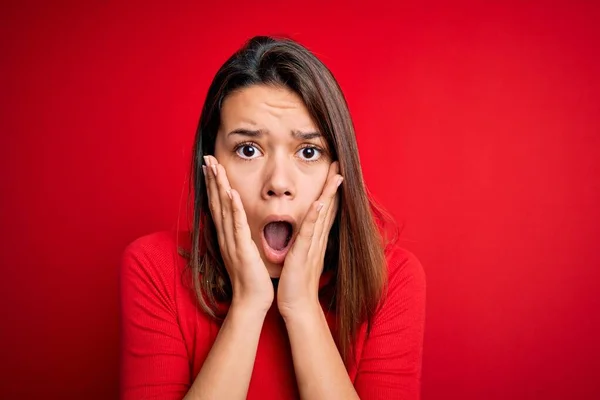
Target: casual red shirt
166, 337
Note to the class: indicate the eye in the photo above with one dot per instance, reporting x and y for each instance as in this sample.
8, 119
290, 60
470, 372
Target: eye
247, 151
310, 153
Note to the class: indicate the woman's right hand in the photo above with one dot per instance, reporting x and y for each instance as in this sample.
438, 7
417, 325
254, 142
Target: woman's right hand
250, 280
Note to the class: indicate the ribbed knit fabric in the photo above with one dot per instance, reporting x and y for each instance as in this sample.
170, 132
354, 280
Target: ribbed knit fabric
166, 337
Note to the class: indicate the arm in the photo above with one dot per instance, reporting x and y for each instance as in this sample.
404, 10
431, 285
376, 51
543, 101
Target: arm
320, 371
227, 370
154, 361
391, 360
390, 365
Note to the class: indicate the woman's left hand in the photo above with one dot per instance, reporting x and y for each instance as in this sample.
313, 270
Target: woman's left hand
298, 289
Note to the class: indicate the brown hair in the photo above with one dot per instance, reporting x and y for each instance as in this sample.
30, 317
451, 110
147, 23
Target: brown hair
355, 250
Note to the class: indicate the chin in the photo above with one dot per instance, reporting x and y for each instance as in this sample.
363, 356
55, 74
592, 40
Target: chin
274, 269
273, 258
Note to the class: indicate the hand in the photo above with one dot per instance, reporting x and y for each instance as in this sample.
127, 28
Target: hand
249, 277
298, 287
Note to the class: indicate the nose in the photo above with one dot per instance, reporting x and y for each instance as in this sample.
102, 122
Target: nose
279, 180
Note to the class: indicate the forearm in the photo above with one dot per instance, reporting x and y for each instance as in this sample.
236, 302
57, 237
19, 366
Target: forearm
228, 367
320, 371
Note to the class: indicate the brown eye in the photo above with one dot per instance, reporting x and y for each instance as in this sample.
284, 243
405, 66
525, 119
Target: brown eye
247, 151
310, 153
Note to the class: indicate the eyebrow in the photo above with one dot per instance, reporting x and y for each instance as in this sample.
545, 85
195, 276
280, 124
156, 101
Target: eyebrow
260, 132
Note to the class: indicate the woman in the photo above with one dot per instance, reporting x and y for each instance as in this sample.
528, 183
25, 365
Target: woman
285, 287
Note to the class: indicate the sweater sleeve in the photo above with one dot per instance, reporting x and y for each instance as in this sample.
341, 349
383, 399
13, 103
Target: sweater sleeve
154, 362
390, 365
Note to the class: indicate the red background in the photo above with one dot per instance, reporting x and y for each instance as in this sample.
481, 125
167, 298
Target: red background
478, 127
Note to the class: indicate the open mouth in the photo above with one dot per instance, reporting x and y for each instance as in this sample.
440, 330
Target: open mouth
278, 234
277, 239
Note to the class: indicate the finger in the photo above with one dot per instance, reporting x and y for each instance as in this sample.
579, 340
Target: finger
329, 219
205, 172
214, 200
328, 198
224, 189
221, 189
333, 205
305, 236
325, 221
332, 213
241, 229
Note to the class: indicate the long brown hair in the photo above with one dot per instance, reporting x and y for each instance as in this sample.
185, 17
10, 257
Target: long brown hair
355, 250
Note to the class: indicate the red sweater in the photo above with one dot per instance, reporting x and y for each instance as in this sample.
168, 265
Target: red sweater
166, 337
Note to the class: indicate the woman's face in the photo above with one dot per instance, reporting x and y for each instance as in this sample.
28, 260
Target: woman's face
276, 159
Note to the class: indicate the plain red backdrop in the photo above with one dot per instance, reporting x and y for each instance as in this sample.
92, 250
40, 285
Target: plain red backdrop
478, 127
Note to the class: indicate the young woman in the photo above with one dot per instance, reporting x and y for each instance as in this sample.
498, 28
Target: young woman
287, 286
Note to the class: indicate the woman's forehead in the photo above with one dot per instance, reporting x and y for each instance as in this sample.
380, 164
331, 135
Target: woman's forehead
266, 108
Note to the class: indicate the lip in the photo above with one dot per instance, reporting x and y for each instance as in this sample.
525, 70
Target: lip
272, 255
276, 217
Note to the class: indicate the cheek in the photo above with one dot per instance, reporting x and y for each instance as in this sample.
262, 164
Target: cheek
248, 189
238, 178
310, 189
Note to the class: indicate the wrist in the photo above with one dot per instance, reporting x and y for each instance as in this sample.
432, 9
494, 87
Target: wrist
247, 307
254, 301
307, 310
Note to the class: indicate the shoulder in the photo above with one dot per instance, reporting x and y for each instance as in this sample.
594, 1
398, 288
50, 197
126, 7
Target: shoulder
406, 279
403, 264
155, 257
157, 243
391, 357
158, 246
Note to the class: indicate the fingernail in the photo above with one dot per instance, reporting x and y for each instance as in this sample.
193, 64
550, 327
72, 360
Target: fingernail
204, 169
340, 180
229, 194
214, 168
319, 207
205, 160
